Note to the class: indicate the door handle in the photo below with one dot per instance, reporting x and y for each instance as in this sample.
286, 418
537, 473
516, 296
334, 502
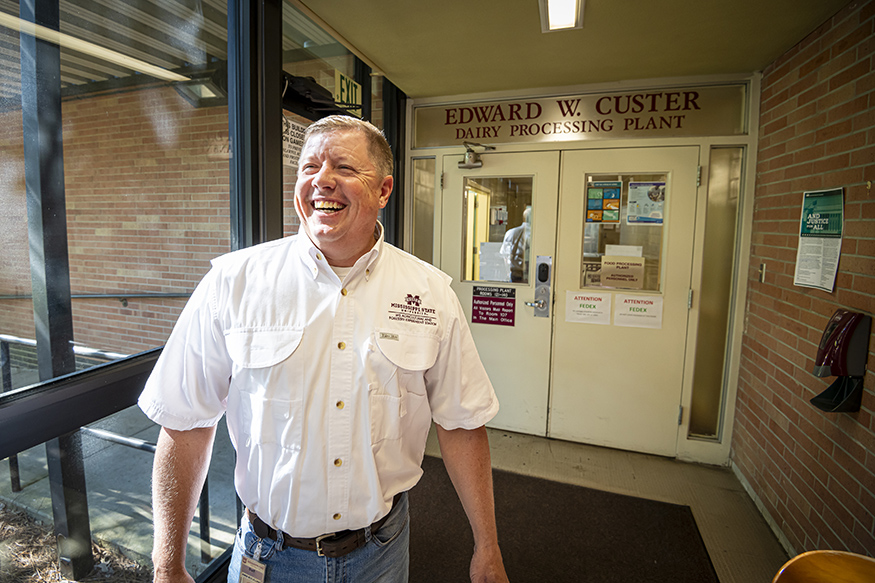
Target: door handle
541, 303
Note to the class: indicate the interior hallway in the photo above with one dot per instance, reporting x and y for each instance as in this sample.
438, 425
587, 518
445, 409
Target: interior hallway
742, 547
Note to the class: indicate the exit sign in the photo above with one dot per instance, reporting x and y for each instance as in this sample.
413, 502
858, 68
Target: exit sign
347, 92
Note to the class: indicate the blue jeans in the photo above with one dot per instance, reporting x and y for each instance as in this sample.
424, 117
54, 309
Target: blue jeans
384, 559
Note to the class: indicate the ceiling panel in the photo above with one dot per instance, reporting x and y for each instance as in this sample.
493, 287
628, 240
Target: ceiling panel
456, 47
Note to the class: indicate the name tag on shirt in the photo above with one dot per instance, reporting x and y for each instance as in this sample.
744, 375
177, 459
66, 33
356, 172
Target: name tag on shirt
251, 571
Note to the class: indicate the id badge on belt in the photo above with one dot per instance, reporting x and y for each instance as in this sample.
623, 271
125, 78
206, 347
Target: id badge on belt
252, 570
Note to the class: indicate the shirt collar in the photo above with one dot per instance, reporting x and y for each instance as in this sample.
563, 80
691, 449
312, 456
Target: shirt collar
315, 259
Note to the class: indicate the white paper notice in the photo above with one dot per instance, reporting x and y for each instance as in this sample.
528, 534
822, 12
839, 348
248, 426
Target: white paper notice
638, 311
624, 250
588, 308
293, 139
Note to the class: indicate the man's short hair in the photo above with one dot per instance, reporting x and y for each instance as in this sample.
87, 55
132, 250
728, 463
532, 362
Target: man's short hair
378, 147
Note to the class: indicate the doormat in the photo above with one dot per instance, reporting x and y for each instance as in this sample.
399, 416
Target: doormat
550, 532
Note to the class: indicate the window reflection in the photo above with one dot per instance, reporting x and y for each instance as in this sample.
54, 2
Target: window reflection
322, 68
144, 181
497, 218
133, 104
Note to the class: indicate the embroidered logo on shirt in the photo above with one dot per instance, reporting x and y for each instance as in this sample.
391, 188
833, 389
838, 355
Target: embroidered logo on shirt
388, 336
411, 310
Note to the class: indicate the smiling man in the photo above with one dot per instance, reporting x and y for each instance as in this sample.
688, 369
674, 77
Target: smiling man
331, 352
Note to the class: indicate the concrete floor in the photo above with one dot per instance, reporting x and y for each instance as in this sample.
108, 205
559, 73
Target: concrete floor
742, 547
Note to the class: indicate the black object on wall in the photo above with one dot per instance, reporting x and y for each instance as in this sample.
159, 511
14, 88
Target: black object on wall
843, 350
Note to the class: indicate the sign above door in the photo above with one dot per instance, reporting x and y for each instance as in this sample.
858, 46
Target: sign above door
681, 112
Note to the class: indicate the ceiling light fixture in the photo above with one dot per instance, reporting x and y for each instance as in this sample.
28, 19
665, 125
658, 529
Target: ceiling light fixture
76, 44
561, 14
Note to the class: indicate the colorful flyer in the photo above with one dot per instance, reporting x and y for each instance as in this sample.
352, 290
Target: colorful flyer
588, 308
646, 203
603, 202
820, 239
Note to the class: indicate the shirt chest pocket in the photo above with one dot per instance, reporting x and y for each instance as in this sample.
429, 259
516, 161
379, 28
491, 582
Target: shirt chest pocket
396, 365
267, 384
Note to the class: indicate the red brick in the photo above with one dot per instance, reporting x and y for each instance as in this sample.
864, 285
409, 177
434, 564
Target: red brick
814, 93
861, 34
866, 83
815, 63
810, 125
850, 74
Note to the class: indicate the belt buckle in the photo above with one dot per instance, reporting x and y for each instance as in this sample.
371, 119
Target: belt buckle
319, 540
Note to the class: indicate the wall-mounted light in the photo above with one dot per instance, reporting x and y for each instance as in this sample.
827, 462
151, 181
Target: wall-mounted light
561, 14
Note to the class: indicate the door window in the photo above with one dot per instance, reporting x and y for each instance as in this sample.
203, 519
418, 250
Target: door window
497, 219
623, 229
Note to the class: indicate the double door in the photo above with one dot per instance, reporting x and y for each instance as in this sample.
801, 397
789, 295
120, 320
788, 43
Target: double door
574, 270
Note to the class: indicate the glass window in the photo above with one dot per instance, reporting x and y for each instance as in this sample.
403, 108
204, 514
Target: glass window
497, 219
623, 231
143, 130
132, 129
321, 69
118, 480
423, 208
724, 192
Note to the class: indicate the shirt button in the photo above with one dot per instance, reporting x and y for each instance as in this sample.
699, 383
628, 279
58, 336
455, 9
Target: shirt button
336, 516
343, 292
319, 256
338, 462
341, 345
340, 404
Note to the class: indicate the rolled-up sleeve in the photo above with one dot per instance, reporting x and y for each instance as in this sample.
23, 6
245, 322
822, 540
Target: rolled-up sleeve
460, 393
188, 387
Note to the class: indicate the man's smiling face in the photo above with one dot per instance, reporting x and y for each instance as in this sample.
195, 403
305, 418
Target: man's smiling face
339, 194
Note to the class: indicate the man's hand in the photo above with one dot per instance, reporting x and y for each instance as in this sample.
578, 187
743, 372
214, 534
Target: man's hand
177, 577
487, 566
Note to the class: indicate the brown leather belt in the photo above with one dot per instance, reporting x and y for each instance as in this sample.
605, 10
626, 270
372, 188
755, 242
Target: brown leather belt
333, 545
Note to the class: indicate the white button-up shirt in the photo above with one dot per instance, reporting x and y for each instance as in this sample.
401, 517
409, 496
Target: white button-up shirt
330, 387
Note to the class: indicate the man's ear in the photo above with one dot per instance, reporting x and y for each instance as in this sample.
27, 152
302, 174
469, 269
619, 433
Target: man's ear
386, 190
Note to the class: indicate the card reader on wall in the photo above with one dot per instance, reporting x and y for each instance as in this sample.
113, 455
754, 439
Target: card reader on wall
843, 350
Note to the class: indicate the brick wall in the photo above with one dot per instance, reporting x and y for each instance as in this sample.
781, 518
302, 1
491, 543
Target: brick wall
147, 208
16, 316
814, 472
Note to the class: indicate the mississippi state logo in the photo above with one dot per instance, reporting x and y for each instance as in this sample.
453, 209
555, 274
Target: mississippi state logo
411, 310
